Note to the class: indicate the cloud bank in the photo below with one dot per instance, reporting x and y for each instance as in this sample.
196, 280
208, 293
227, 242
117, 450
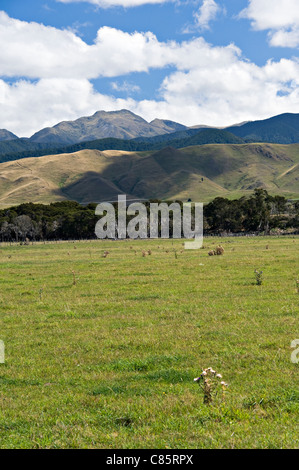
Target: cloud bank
46, 73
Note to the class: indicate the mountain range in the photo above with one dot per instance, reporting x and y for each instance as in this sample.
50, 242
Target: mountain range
123, 130
161, 159
124, 124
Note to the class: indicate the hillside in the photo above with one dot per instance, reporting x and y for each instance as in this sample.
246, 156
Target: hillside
123, 130
6, 135
117, 124
283, 129
23, 148
198, 172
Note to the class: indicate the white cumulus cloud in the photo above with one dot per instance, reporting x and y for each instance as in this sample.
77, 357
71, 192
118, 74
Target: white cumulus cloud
46, 73
37, 51
281, 18
206, 13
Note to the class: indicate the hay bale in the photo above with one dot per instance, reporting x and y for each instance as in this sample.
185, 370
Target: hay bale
219, 250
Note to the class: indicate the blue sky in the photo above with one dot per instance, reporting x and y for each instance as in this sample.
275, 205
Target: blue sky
212, 62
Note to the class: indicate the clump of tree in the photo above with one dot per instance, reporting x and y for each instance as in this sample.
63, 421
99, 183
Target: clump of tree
69, 220
65, 220
260, 212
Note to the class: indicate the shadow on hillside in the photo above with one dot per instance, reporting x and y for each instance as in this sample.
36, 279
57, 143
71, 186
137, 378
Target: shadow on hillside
139, 177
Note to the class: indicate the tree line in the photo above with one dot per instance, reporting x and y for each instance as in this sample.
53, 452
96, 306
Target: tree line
69, 220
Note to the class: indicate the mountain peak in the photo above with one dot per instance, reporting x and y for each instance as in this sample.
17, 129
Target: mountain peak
122, 124
6, 135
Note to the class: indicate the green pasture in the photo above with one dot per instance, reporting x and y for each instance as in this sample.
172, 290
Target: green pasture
101, 352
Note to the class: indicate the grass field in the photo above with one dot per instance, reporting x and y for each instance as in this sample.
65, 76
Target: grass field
109, 362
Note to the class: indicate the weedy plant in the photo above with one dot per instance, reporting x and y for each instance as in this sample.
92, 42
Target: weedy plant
41, 293
297, 285
211, 383
258, 277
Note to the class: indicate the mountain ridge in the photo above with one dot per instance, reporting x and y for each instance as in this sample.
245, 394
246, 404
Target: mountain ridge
6, 135
125, 125
281, 129
121, 124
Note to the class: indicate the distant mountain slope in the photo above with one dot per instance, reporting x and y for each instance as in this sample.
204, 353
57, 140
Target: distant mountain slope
164, 126
178, 139
197, 172
69, 137
6, 135
212, 136
282, 129
117, 124
22, 148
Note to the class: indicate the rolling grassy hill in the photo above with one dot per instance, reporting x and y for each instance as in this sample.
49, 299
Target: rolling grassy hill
198, 172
